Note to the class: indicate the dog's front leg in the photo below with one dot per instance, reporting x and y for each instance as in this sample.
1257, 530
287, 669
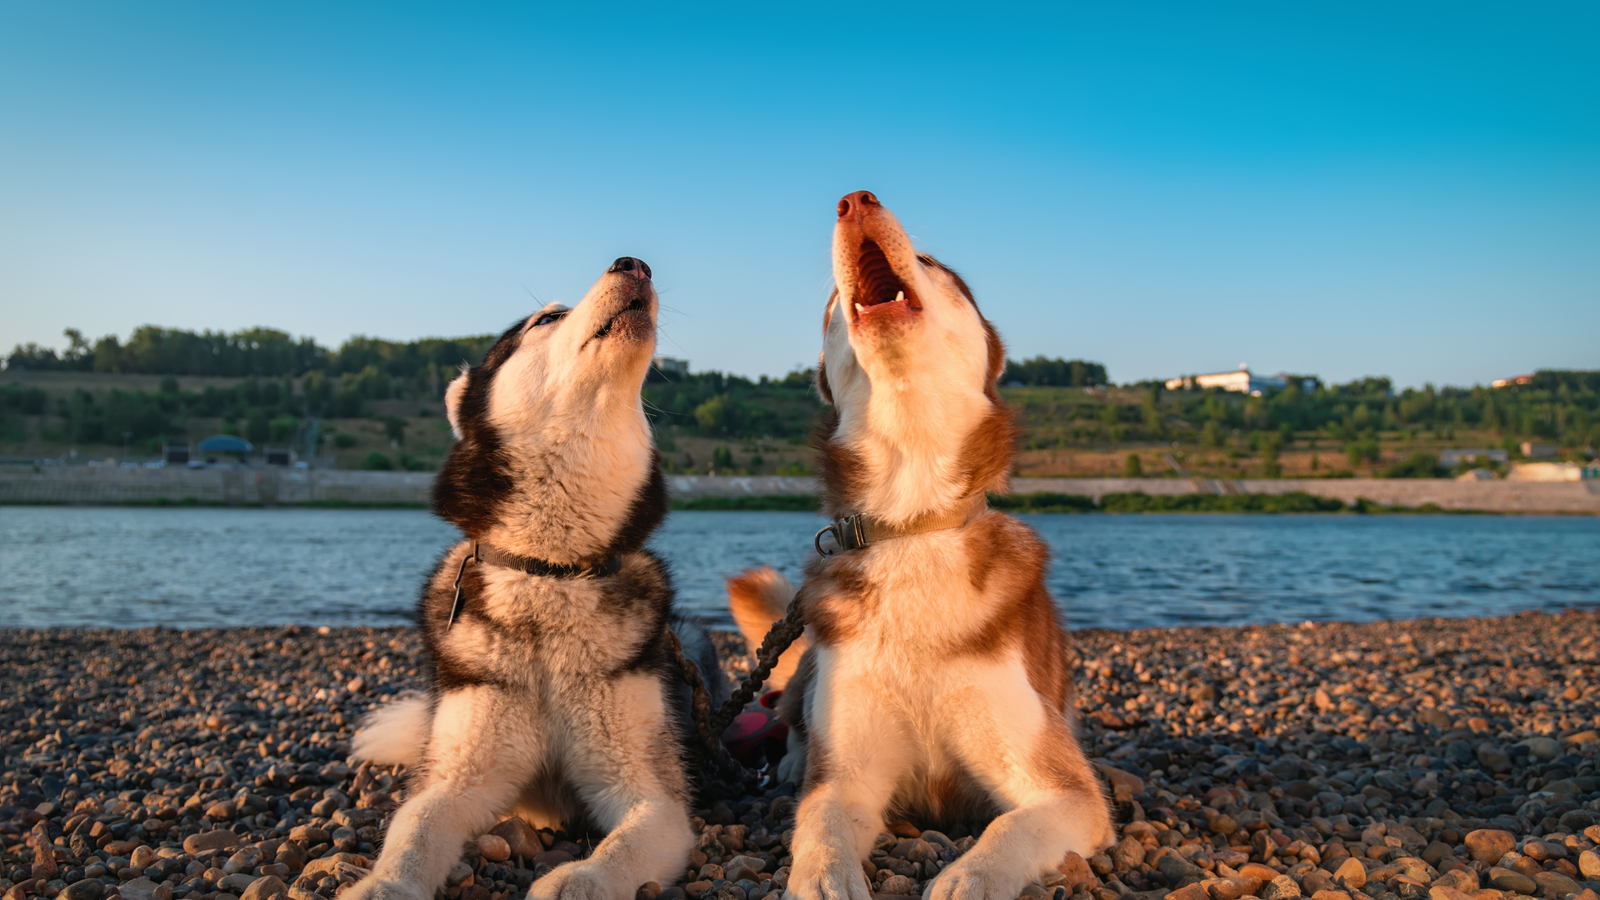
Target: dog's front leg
627, 770
480, 751
855, 756
1025, 751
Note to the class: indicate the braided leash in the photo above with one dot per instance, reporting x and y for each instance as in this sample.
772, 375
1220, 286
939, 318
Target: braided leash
779, 638
736, 780
726, 777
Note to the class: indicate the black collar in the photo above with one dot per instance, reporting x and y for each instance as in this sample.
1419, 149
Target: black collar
595, 568
487, 555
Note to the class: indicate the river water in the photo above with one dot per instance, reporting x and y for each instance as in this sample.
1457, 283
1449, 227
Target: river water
182, 568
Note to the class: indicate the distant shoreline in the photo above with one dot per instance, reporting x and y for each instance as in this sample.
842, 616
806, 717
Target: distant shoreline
1033, 503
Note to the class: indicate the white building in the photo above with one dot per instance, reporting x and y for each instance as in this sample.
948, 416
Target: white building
669, 366
1242, 380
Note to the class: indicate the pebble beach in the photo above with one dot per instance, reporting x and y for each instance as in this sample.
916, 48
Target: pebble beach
1445, 758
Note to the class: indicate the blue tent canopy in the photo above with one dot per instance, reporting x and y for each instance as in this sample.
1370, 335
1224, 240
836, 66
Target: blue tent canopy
224, 443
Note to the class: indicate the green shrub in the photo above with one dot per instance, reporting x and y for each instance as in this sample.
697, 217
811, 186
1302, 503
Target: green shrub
1042, 502
282, 428
377, 462
1295, 502
1420, 465
412, 464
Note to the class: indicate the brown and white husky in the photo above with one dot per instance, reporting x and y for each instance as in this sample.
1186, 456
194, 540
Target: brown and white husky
554, 693
934, 681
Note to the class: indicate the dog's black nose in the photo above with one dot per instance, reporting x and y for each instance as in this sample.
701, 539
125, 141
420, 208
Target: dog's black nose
856, 203
631, 264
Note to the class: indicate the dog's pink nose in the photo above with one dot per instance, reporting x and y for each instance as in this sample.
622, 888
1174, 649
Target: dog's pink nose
856, 204
632, 265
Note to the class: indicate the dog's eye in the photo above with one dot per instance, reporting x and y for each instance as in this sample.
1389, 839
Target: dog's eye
547, 318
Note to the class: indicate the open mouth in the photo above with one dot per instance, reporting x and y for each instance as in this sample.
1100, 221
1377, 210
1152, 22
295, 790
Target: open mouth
636, 305
877, 287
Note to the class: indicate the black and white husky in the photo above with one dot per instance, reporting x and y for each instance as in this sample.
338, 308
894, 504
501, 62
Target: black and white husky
555, 696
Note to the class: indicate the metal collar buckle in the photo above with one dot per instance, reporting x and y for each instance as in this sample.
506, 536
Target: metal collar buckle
461, 598
848, 533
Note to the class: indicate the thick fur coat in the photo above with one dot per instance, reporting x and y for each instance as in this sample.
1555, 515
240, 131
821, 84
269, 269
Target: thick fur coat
933, 682
555, 696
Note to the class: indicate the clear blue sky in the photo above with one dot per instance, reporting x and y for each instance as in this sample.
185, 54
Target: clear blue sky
1346, 189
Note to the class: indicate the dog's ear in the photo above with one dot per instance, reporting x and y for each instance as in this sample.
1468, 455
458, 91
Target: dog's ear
452, 401
822, 358
997, 353
822, 379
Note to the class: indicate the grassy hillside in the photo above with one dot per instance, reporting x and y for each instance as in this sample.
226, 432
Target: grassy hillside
715, 422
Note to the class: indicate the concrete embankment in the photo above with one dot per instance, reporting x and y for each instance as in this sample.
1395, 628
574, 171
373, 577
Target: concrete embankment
271, 486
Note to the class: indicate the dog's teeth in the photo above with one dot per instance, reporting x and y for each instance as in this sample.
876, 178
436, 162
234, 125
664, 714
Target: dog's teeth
860, 309
900, 297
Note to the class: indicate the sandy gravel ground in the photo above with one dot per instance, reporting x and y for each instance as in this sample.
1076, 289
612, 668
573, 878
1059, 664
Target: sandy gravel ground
1439, 758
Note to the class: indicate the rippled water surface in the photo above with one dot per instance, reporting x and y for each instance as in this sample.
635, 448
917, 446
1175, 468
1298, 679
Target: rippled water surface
123, 568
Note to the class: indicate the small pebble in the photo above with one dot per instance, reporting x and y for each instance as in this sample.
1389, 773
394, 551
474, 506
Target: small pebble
213, 764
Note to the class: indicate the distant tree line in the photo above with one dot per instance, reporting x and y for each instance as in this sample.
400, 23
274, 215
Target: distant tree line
259, 352
712, 404
1561, 407
1044, 372
261, 410
288, 379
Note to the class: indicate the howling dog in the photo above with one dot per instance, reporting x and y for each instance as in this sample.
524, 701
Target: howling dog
554, 695
934, 681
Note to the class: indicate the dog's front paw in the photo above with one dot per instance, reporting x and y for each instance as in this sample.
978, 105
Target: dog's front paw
583, 880
969, 878
373, 888
828, 880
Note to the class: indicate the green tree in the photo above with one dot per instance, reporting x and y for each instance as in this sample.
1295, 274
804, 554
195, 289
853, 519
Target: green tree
257, 427
282, 428
394, 428
108, 354
377, 462
722, 458
1132, 467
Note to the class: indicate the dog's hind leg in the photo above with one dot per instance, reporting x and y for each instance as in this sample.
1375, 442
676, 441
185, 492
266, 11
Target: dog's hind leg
1013, 743
480, 750
626, 769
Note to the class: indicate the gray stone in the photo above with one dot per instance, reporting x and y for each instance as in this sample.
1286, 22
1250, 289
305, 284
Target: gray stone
1543, 850
219, 839
138, 889
236, 883
1557, 882
1543, 747
1179, 871
1589, 865
243, 861
898, 884
1489, 844
264, 888
1507, 880
1127, 854
1281, 888
1492, 757
87, 889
